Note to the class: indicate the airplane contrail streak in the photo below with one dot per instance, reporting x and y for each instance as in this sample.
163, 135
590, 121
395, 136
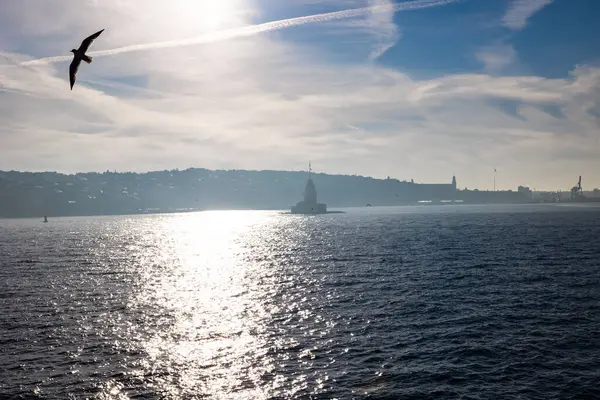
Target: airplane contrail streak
222, 35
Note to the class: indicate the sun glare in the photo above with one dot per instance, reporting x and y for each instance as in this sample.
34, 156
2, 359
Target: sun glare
210, 14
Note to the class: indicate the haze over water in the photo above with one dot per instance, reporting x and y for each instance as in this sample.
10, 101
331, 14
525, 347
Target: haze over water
409, 302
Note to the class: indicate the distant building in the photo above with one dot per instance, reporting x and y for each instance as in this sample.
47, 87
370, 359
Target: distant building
435, 191
524, 189
309, 205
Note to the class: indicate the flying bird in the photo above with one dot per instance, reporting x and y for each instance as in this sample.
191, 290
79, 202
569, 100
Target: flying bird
79, 54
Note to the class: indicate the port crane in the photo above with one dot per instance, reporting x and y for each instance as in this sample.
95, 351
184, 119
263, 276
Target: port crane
577, 191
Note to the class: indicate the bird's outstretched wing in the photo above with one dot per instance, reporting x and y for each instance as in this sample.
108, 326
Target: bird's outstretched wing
73, 70
85, 45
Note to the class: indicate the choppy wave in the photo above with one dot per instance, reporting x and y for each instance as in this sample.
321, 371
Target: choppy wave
256, 305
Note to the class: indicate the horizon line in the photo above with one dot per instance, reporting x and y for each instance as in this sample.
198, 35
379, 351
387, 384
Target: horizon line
122, 172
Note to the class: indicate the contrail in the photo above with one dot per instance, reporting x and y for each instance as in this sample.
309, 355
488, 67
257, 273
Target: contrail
217, 36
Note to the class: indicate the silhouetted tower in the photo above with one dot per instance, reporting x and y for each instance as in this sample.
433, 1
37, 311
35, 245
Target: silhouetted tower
454, 182
309, 205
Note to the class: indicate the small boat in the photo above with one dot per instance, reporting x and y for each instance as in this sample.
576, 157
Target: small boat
45, 219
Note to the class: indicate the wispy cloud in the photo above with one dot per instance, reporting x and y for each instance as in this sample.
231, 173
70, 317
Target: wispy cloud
382, 7
497, 57
377, 28
520, 11
382, 24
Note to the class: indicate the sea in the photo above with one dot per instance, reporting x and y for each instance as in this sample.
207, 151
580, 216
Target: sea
423, 302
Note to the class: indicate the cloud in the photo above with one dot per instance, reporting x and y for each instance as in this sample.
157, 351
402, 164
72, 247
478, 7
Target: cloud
380, 26
379, 6
266, 112
383, 28
264, 103
496, 58
520, 11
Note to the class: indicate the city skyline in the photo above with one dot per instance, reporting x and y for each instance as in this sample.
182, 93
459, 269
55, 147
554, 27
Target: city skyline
494, 186
418, 90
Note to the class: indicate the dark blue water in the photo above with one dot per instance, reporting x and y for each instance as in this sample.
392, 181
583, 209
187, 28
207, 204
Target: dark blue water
421, 302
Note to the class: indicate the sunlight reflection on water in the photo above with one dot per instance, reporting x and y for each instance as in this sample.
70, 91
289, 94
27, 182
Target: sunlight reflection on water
186, 304
196, 283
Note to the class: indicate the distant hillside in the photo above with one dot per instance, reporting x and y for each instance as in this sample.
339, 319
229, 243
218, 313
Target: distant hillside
24, 194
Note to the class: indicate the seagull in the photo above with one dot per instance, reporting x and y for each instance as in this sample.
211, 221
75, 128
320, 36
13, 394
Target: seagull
79, 54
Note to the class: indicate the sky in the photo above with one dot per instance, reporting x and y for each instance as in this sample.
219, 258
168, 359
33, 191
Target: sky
421, 90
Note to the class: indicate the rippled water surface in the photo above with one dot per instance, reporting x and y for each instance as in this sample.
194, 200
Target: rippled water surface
421, 302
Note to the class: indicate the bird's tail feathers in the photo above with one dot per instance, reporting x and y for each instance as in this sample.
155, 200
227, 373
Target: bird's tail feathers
87, 59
